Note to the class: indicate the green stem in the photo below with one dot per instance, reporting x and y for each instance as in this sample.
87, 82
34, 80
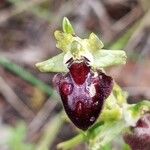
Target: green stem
72, 142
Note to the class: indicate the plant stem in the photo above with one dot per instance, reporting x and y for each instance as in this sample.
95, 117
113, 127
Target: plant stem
72, 142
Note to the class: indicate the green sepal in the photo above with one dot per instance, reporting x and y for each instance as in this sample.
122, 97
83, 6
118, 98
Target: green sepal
102, 58
54, 64
77, 48
67, 27
105, 58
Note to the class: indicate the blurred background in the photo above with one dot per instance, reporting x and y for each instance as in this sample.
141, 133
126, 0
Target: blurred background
31, 115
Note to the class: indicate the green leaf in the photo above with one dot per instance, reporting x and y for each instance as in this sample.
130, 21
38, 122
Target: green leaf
107, 133
67, 27
105, 58
54, 64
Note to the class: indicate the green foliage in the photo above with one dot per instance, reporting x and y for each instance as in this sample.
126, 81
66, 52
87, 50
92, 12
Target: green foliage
140, 108
107, 147
107, 133
126, 147
17, 138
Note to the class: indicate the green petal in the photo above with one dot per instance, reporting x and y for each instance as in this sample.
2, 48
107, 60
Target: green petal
54, 64
67, 27
64, 40
105, 58
94, 42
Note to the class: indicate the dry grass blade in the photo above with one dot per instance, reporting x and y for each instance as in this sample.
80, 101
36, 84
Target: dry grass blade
52, 128
128, 19
145, 22
14, 101
24, 74
41, 117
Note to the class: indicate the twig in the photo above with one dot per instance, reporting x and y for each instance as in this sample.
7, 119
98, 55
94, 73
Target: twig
14, 101
103, 17
128, 19
25, 75
51, 130
139, 64
145, 22
41, 117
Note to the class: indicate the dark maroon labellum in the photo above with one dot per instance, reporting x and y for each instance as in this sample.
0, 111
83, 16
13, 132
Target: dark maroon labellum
139, 138
83, 92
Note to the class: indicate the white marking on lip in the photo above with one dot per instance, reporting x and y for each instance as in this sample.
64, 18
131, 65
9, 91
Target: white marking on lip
92, 119
92, 90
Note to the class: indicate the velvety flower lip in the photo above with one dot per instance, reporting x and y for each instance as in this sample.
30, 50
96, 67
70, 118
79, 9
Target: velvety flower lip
139, 137
79, 71
83, 92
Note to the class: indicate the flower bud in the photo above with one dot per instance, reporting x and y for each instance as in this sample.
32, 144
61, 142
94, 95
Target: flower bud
139, 137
